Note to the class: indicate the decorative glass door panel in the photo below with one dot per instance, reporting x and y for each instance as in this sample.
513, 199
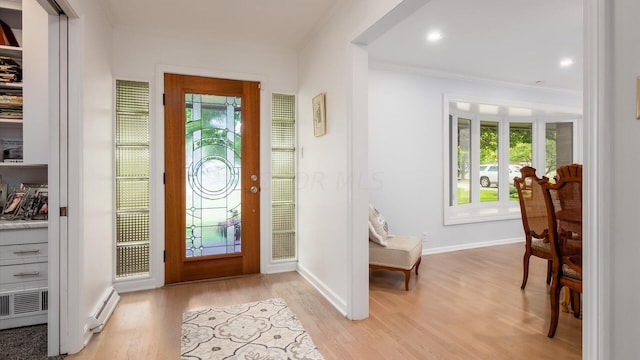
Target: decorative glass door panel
213, 158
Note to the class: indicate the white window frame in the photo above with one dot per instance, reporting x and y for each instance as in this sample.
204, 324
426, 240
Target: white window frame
147, 280
503, 209
289, 264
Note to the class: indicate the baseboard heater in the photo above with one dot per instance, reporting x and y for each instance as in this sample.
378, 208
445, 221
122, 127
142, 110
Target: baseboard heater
104, 311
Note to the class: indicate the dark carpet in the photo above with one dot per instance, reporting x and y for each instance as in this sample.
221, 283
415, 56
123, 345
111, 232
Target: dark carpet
25, 343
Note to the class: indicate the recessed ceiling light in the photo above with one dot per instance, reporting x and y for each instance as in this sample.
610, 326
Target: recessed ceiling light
434, 36
566, 62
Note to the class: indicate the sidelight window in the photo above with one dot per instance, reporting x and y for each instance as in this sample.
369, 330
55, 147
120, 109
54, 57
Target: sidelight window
132, 178
283, 177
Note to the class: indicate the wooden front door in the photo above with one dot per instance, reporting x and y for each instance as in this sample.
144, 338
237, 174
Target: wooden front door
212, 185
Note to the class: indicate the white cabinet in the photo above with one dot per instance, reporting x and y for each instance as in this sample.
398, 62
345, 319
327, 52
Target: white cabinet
37, 60
24, 297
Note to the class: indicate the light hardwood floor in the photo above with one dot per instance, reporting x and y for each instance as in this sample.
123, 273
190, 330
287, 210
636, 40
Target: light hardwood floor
464, 305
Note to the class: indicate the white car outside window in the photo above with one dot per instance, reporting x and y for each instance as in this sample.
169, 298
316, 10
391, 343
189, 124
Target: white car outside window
489, 174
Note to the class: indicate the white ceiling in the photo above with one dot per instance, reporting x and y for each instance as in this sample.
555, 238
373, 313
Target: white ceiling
518, 41
274, 22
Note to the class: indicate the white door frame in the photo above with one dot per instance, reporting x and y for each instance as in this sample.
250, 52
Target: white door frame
597, 298
57, 173
57, 34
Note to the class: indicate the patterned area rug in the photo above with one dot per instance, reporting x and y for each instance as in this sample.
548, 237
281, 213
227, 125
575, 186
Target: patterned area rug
265, 329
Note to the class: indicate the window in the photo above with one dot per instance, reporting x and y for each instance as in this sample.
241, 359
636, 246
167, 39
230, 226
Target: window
488, 144
283, 179
132, 178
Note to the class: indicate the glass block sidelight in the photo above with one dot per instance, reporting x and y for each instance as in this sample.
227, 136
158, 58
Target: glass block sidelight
133, 161
283, 108
132, 97
283, 180
132, 178
132, 227
132, 260
283, 247
283, 191
283, 217
283, 163
282, 135
132, 129
132, 194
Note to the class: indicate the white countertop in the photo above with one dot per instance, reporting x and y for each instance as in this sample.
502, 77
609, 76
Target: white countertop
22, 224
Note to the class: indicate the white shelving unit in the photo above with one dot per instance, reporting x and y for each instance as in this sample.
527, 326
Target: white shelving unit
24, 244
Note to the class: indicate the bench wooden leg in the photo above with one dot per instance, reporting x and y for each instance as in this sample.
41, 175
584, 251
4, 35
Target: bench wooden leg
407, 273
407, 276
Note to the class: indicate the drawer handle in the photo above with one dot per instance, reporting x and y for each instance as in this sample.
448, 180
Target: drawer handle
30, 273
22, 252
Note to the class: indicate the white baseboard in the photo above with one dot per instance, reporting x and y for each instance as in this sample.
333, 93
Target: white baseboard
130, 285
444, 249
331, 296
281, 267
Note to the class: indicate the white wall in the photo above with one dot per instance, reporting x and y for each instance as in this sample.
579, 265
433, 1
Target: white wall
625, 130
90, 265
325, 207
137, 53
406, 147
145, 56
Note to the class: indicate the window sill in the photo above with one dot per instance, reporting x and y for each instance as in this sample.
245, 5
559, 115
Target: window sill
468, 214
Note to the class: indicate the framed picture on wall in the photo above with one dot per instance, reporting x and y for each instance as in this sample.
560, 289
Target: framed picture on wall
319, 115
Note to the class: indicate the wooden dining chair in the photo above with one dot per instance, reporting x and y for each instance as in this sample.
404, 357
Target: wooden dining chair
534, 220
563, 201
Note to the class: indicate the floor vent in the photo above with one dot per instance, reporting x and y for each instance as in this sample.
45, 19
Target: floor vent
24, 303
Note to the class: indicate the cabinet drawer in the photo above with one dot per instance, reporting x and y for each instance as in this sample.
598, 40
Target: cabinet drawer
11, 274
20, 254
23, 236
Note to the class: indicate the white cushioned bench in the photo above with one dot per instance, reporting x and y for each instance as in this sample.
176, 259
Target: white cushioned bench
402, 253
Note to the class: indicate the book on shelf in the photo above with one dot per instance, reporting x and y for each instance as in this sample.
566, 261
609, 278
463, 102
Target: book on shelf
10, 116
8, 38
10, 104
10, 70
11, 99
